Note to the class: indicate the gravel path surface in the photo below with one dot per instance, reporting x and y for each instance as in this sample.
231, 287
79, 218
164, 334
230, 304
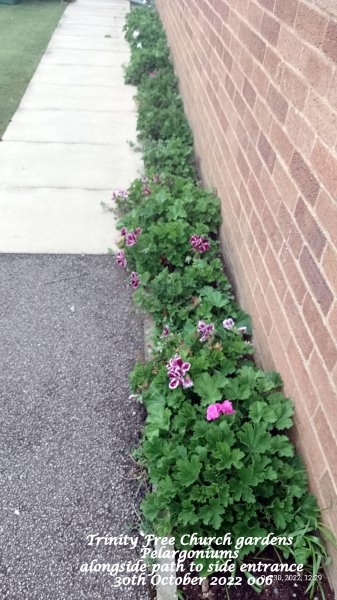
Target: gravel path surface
69, 337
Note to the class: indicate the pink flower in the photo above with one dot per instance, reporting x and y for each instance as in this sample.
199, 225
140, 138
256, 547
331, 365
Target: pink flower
123, 231
227, 408
206, 330
131, 239
199, 243
228, 323
134, 279
166, 331
120, 194
213, 412
144, 179
146, 191
137, 231
153, 73
120, 259
187, 383
242, 330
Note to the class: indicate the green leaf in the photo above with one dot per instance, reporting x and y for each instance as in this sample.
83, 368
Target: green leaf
187, 471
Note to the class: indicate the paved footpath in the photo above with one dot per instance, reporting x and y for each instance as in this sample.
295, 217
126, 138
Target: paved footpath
69, 333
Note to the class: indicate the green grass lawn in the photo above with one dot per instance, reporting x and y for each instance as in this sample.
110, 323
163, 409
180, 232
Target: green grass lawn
25, 30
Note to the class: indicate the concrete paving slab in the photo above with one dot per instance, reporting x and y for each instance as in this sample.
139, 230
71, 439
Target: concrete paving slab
87, 30
87, 127
89, 166
57, 97
90, 58
56, 221
78, 42
80, 75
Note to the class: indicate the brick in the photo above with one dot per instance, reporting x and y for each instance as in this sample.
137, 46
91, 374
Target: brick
327, 439
262, 115
273, 65
254, 159
270, 29
243, 166
333, 321
286, 10
294, 88
304, 178
266, 151
332, 93
316, 281
306, 400
310, 24
317, 69
257, 46
249, 93
277, 103
281, 142
258, 232
290, 46
328, 493
254, 15
311, 231
263, 311
297, 326
272, 229
292, 274
277, 277
251, 126
326, 166
256, 194
326, 211
322, 382
223, 10
329, 264
284, 184
322, 117
269, 4
260, 81
330, 40
270, 192
230, 87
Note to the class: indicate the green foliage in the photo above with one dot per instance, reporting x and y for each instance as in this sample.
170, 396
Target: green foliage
238, 473
164, 133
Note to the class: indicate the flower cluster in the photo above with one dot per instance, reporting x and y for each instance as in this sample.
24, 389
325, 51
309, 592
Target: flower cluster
176, 371
215, 410
199, 243
230, 324
120, 194
134, 279
205, 330
121, 259
131, 236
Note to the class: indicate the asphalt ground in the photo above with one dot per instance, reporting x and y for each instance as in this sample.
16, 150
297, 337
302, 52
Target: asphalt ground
69, 335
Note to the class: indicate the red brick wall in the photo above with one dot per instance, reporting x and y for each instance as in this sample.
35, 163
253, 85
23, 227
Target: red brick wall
259, 81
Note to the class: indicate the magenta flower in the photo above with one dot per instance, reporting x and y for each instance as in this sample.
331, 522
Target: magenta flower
228, 323
120, 259
137, 231
199, 243
131, 239
205, 330
134, 279
146, 191
123, 231
213, 412
227, 408
166, 331
175, 380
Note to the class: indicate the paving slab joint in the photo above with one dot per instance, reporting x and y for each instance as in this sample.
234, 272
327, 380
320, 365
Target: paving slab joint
164, 592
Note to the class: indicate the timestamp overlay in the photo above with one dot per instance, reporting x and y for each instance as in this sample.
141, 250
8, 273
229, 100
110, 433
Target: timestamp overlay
191, 559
